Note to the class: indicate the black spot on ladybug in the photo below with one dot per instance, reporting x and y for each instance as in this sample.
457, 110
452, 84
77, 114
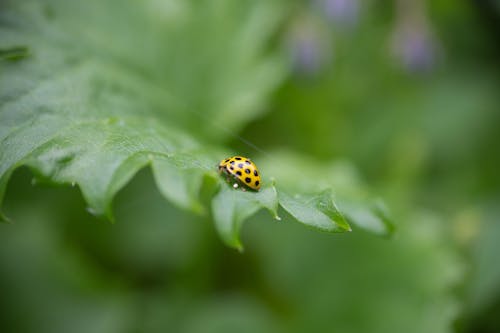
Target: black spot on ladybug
256, 183
226, 160
238, 158
240, 165
248, 180
238, 173
231, 168
255, 173
247, 162
247, 170
232, 162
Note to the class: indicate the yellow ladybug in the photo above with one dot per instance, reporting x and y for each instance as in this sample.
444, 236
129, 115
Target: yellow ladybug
242, 171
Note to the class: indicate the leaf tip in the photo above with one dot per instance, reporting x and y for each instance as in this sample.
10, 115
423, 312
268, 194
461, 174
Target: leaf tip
91, 211
344, 225
236, 244
110, 216
4, 218
103, 215
240, 249
384, 214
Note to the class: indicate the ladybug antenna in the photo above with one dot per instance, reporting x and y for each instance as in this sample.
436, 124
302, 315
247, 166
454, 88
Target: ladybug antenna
230, 133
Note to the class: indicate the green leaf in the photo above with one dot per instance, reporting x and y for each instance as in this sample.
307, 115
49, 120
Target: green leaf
302, 175
97, 99
180, 179
100, 99
231, 208
317, 211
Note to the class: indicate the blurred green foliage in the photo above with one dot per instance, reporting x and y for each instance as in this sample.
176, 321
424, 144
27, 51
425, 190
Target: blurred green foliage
405, 100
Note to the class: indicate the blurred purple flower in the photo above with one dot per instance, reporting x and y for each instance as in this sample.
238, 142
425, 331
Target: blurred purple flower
306, 55
309, 48
413, 44
416, 50
344, 12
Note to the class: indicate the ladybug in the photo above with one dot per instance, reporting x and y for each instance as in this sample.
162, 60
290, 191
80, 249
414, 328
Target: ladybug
242, 171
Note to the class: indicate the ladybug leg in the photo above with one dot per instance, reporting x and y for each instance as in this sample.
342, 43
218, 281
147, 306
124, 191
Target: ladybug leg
243, 189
